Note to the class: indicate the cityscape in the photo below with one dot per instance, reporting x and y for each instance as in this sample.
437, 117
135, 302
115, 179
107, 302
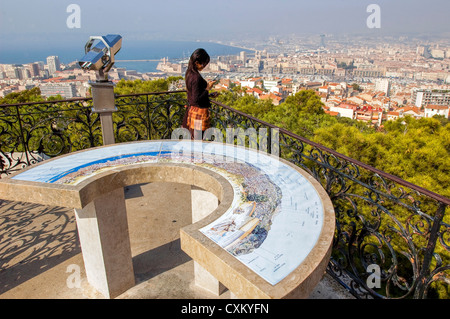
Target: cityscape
372, 80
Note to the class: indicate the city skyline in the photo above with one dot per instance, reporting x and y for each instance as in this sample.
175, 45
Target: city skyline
32, 24
371, 51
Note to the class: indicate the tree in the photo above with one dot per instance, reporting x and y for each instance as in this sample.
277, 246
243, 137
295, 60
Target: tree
31, 95
356, 87
414, 150
305, 101
139, 86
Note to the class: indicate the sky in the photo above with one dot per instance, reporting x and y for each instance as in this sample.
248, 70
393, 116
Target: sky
31, 23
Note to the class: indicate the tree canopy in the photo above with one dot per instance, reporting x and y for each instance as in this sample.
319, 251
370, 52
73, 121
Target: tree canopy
140, 86
414, 150
31, 95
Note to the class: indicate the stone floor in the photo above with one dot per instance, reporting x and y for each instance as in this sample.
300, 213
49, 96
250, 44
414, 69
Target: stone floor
40, 256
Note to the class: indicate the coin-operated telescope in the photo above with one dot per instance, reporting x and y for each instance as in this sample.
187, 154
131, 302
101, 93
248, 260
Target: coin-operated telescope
100, 57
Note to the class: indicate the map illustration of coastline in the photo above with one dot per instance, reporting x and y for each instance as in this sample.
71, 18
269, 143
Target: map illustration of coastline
81, 173
245, 226
274, 220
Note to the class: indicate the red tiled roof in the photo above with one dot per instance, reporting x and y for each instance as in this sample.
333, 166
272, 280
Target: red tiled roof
332, 113
437, 107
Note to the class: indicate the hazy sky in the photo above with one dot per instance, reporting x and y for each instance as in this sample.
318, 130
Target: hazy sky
43, 22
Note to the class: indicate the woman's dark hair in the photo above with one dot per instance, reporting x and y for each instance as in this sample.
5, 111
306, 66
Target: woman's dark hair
200, 56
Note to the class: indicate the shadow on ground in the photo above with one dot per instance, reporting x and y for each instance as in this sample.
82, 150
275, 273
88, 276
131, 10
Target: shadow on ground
33, 239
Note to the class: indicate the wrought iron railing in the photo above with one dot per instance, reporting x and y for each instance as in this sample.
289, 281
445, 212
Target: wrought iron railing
392, 238
31, 132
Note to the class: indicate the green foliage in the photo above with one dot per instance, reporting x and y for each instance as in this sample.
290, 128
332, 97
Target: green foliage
144, 117
32, 95
303, 103
300, 114
356, 87
139, 86
414, 150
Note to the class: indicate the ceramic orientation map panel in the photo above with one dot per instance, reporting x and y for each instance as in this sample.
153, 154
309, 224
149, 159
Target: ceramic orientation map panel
276, 216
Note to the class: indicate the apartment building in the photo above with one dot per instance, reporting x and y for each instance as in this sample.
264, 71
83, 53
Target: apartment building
53, 64
431, 97
66, 90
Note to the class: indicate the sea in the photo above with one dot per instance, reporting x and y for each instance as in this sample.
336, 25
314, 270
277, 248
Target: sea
130, 51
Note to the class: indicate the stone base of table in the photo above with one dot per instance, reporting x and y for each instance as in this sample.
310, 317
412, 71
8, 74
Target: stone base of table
103, 232
203, 203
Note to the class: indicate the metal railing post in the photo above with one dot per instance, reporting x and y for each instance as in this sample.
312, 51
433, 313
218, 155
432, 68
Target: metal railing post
22, 135
420, 291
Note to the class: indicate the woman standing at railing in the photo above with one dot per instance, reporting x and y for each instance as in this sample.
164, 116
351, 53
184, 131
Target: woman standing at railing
197, 117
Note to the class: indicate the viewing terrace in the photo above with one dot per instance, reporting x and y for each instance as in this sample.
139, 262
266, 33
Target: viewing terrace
384, 225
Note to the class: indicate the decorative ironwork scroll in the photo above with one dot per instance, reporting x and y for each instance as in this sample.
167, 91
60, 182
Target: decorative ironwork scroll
31, 132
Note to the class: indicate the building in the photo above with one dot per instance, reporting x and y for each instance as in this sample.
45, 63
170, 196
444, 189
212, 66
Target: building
345, 110
404, 111
431, 110
173, 68
273, 97
251, 83
423, 98
322, 41
394, 115
243, 56
269, 84
438, 53
34, 69
53, 64
66, 90
413, 111
368, 73
383, 85
13, 72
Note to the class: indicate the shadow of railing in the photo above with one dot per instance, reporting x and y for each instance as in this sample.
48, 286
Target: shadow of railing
33, 239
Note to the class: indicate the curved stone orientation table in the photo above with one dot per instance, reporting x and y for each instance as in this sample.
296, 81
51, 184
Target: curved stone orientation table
265, 232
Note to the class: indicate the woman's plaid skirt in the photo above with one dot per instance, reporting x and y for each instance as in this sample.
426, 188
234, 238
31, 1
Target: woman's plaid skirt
197, 119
